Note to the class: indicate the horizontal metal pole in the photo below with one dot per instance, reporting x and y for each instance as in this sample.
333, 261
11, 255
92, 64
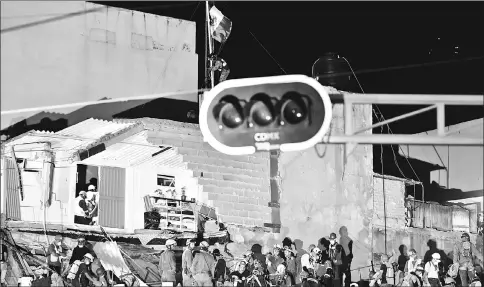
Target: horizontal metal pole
399, 99
401, 117
402, 140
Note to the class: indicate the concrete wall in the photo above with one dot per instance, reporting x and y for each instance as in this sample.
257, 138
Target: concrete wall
107, 53
319, 194
464, 164
237, 186
391, 202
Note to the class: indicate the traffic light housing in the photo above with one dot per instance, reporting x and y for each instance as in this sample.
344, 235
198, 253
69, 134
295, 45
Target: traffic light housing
243, 116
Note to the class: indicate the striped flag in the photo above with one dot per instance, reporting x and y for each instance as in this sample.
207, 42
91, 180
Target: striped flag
220, 26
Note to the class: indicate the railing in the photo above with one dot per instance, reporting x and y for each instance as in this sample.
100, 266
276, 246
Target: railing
442, 217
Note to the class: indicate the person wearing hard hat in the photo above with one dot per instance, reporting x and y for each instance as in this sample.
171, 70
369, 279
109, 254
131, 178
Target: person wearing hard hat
84, 276
187, 259
432, 271
167, 265
332, 245
92, 199
56, 253
464, 253
203, 266
81, 210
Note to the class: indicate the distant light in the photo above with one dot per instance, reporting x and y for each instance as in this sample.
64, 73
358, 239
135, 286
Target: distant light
456, 47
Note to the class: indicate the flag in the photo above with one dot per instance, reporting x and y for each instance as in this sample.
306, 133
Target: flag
220, 26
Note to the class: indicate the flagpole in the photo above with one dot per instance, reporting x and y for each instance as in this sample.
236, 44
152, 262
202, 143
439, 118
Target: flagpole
210, 43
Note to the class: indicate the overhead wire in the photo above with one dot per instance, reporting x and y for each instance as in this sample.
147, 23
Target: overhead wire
268, 53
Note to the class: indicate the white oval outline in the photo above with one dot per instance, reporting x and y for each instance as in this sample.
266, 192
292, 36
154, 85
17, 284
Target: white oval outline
210, 95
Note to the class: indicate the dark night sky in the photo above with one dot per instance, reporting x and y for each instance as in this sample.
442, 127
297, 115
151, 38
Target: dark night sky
370, 35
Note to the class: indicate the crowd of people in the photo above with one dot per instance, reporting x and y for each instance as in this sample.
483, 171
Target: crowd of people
409, 269
327, 264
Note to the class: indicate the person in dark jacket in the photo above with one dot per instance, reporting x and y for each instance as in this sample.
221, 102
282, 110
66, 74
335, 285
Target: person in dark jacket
220, 268
80, 250
339, 265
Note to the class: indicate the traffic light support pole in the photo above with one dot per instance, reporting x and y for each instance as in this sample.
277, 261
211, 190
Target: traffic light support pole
435, 101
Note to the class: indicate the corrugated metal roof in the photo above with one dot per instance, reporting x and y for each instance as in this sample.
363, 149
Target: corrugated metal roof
94, 129
57, 143
136, 150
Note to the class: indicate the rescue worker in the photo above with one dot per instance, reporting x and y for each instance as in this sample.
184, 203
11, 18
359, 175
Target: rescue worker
187, 259
432, 271
56, 253
464, 253
81, 210
203, 266
167, 266
332, 246
80, 250
84, 276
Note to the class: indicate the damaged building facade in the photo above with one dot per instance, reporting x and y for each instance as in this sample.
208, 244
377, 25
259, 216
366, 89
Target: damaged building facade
261, 198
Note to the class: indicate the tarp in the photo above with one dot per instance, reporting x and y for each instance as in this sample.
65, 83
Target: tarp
111, 259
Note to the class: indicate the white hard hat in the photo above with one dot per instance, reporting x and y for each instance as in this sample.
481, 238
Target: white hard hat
436, 256
281, 269
91, 187
89, 256
170, 242
204, 244
316, 250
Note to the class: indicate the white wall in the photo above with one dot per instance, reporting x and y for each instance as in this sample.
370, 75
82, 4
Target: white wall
110, 53
141, 181
464, 163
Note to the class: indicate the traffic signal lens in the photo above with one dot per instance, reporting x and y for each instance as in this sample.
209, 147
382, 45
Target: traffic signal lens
229, 112
294, 108
262, 110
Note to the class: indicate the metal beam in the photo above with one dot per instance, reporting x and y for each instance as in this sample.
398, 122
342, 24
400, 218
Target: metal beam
351, 138
404, 116
402, 140
399, 99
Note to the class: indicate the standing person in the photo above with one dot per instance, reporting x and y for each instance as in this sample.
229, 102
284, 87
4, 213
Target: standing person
401, 263
432, 271
3, 261
92, 199
339, 265
187, 259
81, 210
79, 251
464, 253
203, 266
412, 263
167, 265
56, 253
291, 262
347, 244
220, 268
332, 245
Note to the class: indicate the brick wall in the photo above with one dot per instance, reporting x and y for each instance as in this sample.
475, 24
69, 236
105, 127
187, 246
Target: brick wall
237, 186
394, 197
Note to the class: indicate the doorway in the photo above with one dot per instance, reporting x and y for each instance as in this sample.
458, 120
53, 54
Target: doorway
86, 207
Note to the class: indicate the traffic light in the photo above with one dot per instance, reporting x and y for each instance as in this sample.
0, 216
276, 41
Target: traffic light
243, 116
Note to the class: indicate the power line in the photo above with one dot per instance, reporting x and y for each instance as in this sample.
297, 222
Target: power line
92, 103
401, 67
277, 63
